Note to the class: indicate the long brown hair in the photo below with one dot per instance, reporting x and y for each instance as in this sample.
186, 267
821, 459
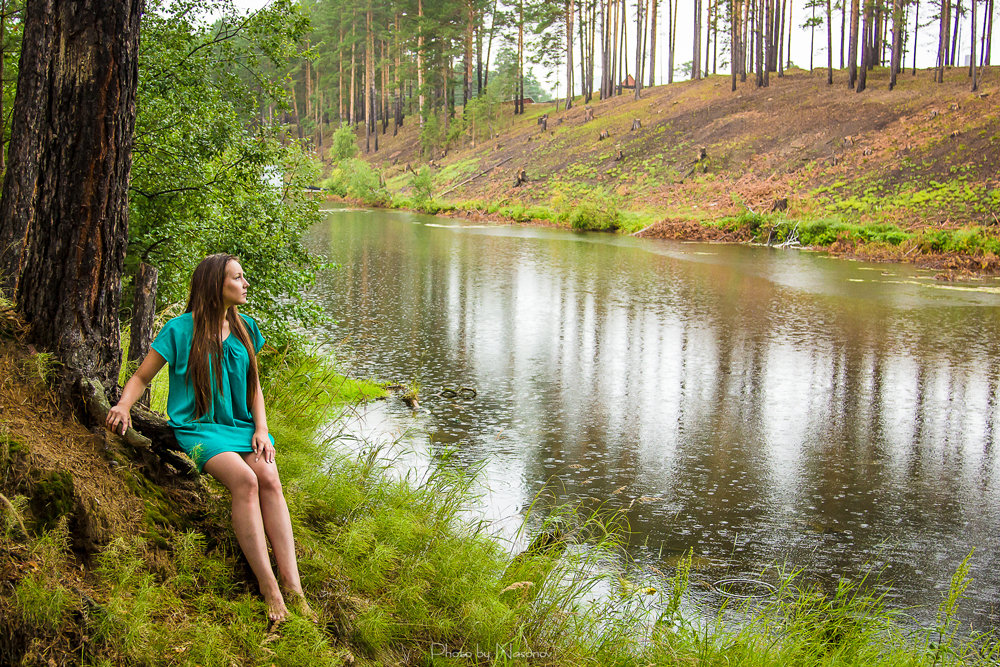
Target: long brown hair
205, 305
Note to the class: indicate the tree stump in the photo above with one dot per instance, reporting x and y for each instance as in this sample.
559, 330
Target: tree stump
619, 156
521, 176
779, 205
636, 124
588, 113
605, 134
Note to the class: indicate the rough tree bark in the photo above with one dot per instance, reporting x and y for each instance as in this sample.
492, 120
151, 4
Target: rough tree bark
895, 64
64, 209
852, 49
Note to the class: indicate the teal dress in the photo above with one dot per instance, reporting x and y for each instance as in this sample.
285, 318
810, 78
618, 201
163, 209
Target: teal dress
229, 425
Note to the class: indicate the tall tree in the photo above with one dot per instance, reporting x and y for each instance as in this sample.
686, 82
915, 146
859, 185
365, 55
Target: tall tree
672, 39
421, 111
696, 58
652, 44
943, 37
64, 208
866, 45
829, 43
852, 49
736, 47
988, 32
570, 12
973, 66
640, 22
896, 63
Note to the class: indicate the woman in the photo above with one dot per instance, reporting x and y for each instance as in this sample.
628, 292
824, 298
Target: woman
216, 410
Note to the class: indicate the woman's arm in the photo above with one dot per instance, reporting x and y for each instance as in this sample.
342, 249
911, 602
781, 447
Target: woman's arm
118, 417
261, 443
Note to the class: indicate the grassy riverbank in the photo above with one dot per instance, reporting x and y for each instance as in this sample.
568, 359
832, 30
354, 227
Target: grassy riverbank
106, 560
902, 175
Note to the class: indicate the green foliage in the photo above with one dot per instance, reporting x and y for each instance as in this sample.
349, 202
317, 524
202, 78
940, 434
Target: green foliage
344, 143
484, 114
585, 208
364, 182
422, 184
431, 136
205, 176
42, 602
40, 598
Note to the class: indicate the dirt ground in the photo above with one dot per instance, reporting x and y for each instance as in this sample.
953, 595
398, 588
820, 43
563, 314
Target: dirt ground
924, 155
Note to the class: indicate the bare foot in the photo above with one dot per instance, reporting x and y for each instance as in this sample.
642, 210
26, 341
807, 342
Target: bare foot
276, 609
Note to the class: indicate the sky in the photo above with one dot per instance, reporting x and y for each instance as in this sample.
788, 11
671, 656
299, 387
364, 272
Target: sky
800, 41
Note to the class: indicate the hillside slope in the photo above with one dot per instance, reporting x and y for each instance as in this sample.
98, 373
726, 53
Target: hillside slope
922, 157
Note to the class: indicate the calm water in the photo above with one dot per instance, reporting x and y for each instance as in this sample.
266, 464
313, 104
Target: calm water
756, 405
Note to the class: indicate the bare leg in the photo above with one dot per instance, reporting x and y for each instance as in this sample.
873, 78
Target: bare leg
241, 480
278, 525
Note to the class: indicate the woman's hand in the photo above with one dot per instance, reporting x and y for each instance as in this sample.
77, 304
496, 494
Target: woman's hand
118, 419
262, 446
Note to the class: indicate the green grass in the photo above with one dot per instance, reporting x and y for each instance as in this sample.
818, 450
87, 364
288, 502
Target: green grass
399, 573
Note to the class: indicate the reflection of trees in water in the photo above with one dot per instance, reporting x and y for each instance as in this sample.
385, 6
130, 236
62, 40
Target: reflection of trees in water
811, 425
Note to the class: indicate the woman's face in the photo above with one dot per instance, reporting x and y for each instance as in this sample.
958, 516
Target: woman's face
234, 288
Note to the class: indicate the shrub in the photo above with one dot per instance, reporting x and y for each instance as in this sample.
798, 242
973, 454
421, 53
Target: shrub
365, 182
422, 183
345, 144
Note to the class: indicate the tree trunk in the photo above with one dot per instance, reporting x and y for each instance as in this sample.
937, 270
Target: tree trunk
916, 26
973, 69
570, 11
942, 55
766, 14
470, 31
672, 29
489, 45
790, 31
340, 79
696, 57
734, 42
746, 40
639, 21
519, 103
829, 43
866, 40
352, 112
64, 210
420, 62
369, 83
897, 42
843, 29
3, 38
953, 53
652, 46
143, 314
759, 42
781, 38
852, 49
988, 28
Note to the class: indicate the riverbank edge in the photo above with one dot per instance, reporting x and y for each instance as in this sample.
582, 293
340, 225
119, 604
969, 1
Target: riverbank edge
927, 248
103, 561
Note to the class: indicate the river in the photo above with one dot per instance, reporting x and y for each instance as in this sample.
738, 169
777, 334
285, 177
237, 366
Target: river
758, 406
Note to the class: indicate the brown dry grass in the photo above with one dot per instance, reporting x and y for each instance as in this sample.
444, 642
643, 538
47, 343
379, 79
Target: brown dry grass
763, 144
53, 439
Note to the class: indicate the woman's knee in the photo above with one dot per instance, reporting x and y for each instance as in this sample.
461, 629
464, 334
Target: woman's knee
244, 484
267, 478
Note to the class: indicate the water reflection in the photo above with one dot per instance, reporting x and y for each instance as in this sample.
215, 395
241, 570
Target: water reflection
754, 405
